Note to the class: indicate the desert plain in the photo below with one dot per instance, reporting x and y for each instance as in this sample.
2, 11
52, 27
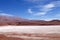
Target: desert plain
30, 32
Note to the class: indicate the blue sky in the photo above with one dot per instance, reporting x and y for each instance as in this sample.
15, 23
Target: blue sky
31, 9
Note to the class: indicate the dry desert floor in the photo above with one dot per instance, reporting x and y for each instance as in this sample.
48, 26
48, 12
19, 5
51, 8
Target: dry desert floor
30, 32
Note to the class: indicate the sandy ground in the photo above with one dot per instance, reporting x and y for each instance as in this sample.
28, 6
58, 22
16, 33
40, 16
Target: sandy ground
32, 32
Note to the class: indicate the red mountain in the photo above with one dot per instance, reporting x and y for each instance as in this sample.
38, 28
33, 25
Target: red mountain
8, 20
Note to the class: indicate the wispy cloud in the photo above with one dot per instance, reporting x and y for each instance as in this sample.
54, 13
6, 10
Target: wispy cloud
30, 11
49, 6
5, 14
39, 13
44, 9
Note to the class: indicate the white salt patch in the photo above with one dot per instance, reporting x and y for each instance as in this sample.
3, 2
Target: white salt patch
30, 29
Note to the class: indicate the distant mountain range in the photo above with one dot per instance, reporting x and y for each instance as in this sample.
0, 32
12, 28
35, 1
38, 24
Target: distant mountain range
8, 20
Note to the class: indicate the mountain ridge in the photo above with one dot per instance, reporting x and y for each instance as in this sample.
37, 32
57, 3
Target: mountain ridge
7, 20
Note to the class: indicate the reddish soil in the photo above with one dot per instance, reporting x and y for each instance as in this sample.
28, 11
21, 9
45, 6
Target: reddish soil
3, 37
43, 36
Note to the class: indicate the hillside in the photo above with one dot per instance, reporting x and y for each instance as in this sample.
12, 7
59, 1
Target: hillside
7, 20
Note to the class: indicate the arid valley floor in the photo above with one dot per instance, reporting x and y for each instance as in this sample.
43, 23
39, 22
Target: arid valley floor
29, 32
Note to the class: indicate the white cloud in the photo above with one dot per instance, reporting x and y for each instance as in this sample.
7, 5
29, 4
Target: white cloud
40, 13
43, 11
4, 14
48, 6
30, 11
